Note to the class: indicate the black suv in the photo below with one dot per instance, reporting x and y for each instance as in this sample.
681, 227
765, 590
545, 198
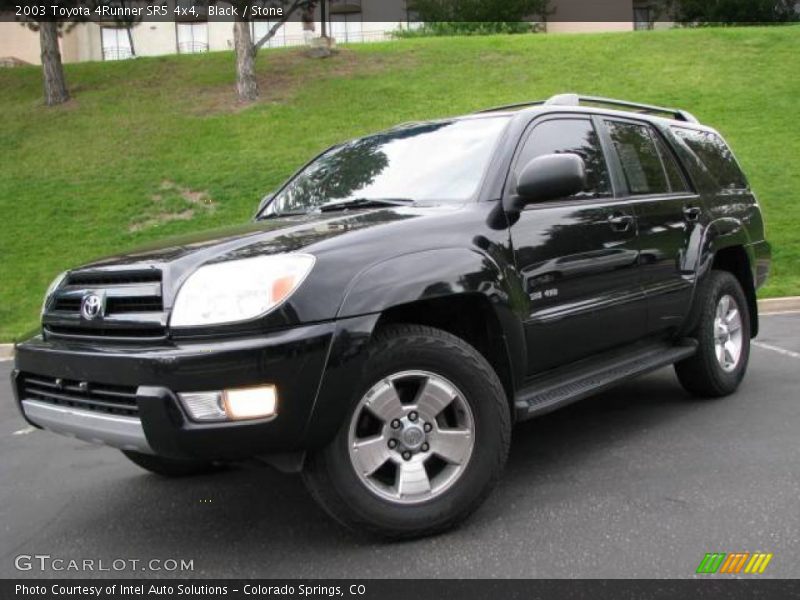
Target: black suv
406, 297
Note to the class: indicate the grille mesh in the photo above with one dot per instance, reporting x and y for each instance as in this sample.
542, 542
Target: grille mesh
109, 399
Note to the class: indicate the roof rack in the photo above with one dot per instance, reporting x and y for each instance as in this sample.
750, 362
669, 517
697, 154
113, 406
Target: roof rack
577, 100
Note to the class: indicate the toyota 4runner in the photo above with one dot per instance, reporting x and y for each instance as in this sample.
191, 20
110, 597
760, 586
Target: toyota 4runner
406, 297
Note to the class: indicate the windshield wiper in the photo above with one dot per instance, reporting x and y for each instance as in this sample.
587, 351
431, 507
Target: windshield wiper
364, 203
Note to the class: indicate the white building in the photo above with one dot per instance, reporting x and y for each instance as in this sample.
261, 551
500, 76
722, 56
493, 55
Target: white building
347, 21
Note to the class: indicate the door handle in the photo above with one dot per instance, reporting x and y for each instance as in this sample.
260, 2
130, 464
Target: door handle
692, 213
620, 222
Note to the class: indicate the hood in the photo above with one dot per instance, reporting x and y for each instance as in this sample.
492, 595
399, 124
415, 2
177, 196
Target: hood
271, 236
340, 241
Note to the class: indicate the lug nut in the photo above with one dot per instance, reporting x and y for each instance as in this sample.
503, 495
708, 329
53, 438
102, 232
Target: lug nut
412, 416
427, 427
396, 424
425, 447
392, 444
406, 455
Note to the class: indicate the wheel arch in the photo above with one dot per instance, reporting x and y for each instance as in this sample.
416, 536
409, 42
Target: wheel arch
460, 290
726, 246
737, 261
470, 317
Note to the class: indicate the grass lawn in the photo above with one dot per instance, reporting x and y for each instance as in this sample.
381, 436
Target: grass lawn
156, 146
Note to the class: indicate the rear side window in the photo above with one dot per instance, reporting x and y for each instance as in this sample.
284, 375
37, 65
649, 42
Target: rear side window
717, 157
574, 136
677, 182
641, 163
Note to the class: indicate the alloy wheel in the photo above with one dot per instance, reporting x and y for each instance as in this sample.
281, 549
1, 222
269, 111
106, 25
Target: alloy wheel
411, 437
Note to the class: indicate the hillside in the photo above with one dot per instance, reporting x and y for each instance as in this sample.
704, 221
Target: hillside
156, 146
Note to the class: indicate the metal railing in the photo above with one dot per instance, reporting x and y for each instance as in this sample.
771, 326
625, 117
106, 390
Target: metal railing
116, 52
192, 47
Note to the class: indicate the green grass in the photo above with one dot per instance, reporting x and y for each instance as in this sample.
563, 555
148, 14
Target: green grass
156, 147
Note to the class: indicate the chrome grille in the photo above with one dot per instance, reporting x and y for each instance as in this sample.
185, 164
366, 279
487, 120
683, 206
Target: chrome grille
133, 307
110, 399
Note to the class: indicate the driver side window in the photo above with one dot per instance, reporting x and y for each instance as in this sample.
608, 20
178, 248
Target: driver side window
575, 136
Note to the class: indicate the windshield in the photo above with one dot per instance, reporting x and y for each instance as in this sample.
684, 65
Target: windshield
442, 161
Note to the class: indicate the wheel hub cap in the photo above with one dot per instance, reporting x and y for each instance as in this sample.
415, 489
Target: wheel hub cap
412, 437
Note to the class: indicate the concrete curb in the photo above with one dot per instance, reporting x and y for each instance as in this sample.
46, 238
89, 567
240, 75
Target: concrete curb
769, 306
779, 305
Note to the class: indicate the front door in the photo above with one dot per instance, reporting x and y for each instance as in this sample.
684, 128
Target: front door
578, 256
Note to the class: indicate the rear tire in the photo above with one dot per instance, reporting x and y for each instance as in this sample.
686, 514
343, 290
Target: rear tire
424, 395
171, 467
723, 334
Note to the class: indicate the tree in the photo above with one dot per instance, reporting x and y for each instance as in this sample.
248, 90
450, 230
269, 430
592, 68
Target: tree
55, 85
54, 82
732, 11
246, 48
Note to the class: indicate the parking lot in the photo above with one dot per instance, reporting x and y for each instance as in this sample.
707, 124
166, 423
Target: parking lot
637, 482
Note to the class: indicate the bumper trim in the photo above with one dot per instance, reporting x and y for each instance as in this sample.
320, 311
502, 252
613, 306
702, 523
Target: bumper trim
124, 433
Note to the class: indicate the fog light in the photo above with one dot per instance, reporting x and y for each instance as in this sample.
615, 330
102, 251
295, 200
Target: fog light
204, 406
250, 403
234, 405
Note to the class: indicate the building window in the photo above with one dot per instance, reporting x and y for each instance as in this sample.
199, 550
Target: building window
116, 44
192, 37
262, 27
347, 27
346, 23
642, 18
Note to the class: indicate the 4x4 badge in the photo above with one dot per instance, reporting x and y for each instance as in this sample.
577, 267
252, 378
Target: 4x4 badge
91, 306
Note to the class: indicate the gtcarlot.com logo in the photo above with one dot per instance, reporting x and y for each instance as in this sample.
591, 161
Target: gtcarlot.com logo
734, 563
46, 562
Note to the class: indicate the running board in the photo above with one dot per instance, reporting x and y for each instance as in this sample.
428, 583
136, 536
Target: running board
575, 382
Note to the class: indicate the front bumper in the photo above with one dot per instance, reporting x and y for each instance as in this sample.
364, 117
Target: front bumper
292, 359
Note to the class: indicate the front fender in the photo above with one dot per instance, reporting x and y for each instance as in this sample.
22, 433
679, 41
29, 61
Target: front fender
443, 272
424, 275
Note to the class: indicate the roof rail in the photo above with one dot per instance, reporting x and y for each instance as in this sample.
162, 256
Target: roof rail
512, 106
577, 100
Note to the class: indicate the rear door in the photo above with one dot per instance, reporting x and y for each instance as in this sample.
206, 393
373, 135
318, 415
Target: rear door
668, 214
577, 256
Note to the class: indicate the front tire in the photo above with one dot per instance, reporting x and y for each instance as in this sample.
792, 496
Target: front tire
424, 442
723, 334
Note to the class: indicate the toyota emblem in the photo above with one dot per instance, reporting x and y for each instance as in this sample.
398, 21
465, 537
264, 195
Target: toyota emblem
91, 307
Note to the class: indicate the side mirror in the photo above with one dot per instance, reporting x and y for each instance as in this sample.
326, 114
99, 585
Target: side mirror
550, 177
264, 201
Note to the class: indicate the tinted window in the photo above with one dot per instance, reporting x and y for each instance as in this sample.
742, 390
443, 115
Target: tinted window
677, 182
576, 136
714, 153
640, 161
442, 161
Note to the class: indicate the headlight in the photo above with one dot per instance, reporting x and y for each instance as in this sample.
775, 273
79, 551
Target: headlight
53, 286
239, 290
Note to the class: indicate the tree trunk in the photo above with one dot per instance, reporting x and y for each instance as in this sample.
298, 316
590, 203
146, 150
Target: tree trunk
246, 84
130, 40
55, 87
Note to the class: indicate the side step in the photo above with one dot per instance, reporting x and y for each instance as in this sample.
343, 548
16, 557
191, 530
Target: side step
575, 382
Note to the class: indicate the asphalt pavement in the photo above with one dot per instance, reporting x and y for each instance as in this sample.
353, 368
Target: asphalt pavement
637, 482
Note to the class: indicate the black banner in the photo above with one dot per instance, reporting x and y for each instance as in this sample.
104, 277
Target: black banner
404, 589
536, 11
